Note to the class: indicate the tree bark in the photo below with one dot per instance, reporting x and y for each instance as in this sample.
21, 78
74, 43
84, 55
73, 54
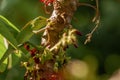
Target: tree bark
60, 19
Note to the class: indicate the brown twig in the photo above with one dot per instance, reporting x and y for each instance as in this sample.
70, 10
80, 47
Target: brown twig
89, 35
96, 20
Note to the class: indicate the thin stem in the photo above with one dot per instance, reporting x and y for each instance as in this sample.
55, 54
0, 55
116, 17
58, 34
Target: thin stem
97, 12
27, 24
10, 61
96, 19
38, 31
89, 35
85, 4
8, 23
10, 56
94, 7
97, 23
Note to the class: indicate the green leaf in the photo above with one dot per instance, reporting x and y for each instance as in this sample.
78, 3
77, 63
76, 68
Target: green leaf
2, 50
3, 66
8, 30
16, 58
3, 19
4, 31
25, 35
6, 54
27, 31
38, 23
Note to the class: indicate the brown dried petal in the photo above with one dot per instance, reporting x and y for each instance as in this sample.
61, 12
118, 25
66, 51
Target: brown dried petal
78, 33
27, 47
75, 45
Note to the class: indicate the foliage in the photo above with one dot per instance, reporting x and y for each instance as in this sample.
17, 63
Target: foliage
104, 46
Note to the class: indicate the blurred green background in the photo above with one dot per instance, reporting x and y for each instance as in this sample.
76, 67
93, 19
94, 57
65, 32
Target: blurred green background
97, 60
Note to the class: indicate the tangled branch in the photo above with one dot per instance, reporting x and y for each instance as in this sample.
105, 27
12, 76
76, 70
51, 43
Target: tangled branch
57, 35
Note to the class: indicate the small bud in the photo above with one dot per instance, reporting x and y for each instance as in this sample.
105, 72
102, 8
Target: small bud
75, 45
65, 47
78, 33
36, 60
73, 40
33, 51
64, 42
27, 47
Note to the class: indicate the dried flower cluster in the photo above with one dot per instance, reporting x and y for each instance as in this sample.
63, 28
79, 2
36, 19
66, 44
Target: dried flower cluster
46, 62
